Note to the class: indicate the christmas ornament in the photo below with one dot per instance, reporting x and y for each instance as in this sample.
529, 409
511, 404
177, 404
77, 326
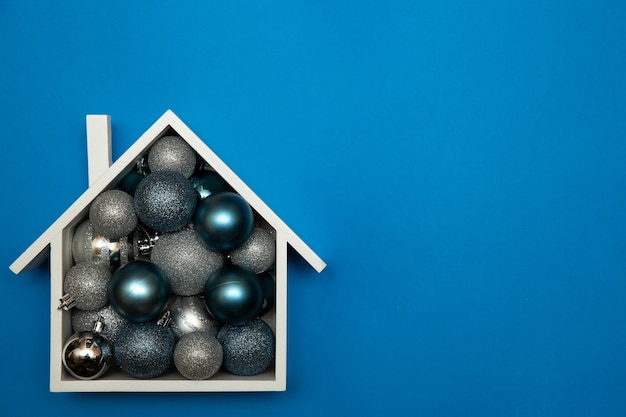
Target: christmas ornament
268, 286
189, 314
112, 214
165, 201
198, 355
83, 320
186, 261
172, 153
257, 253
223, 221
249, 348
129, 183
139, 291
144, 350
88, 355
233, 294
207, 182
112, 253
85, 286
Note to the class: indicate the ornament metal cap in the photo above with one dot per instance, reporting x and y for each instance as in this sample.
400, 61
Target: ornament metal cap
67, 301
165, 319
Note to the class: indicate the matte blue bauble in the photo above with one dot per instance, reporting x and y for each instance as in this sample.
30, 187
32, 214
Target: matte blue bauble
269, 293
207, 182
139, 291
233, 294
224, 221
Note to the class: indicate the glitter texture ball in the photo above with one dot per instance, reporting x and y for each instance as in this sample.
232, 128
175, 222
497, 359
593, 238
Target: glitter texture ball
249, 348
139, 291
172, 153
198, 355
112, 214
87, 282
258, 252
165, 201
189, 315
144, 350
187, 262
224, 221
83, 320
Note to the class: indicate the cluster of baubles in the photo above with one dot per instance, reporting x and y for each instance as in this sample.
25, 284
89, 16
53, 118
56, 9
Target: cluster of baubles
171, 271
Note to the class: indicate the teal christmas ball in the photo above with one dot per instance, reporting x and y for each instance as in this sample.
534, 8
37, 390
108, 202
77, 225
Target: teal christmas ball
207, 182
233, 294
144, 350
165, 201
139, 291
223, 221
248, 349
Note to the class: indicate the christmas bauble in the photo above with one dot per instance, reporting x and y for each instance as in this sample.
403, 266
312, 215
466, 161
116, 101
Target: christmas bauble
112, 214
172, 153
144, 350
165, 201
233, 294
249, 348
257, 253
189, 314
130, 182
88, 246
139, 291
223, 221
82, 321
207, 182
87, 355
268, 287
198, 355
87, 283
186, 261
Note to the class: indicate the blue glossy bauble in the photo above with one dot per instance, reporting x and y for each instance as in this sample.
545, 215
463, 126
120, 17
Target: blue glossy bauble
139, 291
269, 293
207, 182
224, 221
233, 294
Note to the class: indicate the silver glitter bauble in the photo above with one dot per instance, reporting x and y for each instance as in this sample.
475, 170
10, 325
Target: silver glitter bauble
186, 261
165, 201
82, 321
112, 214
198, 355
172, 153
248, 349
188, 314
257, 253
144, 350
87, 283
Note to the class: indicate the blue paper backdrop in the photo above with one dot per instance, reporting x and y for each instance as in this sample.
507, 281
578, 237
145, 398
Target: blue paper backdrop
460, 165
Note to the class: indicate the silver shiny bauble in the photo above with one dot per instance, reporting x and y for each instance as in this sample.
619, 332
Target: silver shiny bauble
172, 153
249, 349
82, 321
189, 314
87, 283
186, 261
198, 355
165, 201
87, 355
112, 214
257, 253
88, 246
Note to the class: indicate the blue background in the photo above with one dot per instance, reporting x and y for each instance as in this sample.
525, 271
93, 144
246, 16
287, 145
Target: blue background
458, 164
